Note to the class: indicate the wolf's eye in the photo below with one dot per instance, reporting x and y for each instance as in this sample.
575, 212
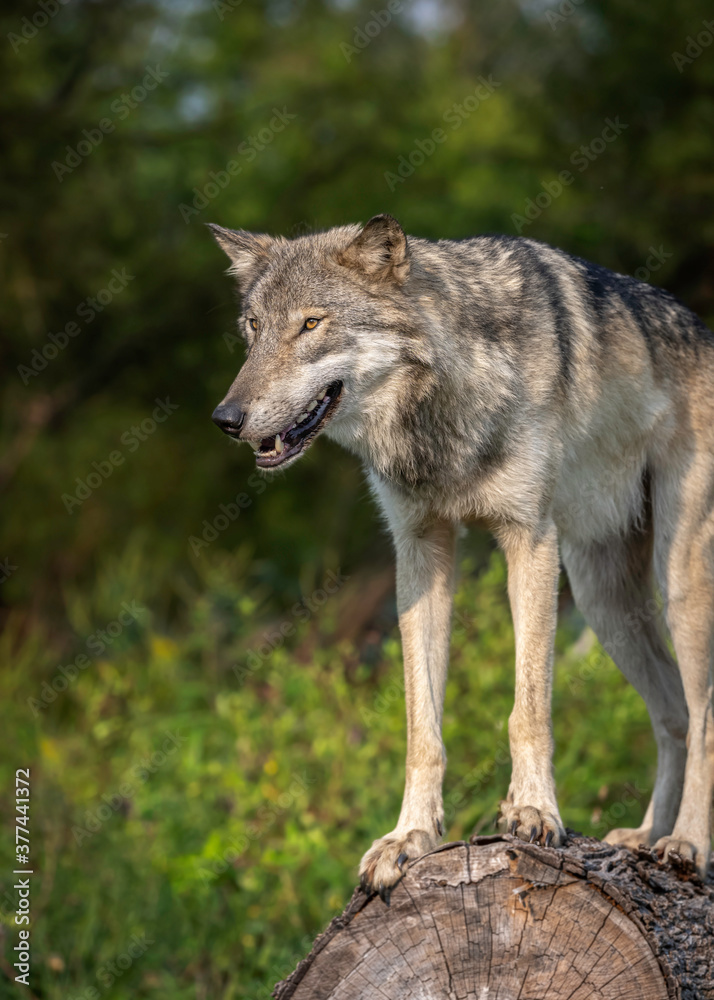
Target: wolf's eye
310, 324
253, 324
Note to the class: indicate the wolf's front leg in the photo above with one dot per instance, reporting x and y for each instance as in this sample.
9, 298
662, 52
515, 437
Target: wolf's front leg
425, 563
531, 810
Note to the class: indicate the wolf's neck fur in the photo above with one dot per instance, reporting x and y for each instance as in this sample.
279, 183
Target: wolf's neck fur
440, 413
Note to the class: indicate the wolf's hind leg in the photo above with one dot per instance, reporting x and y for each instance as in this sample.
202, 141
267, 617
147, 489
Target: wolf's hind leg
425, 563
612, 586
684, 558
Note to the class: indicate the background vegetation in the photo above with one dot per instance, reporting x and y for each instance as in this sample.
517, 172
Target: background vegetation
203, 786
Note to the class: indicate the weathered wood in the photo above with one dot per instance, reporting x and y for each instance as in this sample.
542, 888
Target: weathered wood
497, 919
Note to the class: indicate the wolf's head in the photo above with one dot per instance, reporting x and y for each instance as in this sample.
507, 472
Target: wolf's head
323, 317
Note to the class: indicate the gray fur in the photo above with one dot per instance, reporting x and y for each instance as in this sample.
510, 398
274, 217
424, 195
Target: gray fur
498, 380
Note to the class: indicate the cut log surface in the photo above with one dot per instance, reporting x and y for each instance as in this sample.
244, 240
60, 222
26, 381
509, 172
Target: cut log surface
498, 919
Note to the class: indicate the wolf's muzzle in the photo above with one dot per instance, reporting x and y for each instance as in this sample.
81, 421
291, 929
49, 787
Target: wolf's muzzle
229, 417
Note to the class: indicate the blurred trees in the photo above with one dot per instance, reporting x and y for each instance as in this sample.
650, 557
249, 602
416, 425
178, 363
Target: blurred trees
119, 122
126, 126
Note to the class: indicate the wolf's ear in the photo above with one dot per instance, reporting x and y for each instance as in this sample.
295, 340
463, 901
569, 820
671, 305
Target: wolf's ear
250, 253
380, 250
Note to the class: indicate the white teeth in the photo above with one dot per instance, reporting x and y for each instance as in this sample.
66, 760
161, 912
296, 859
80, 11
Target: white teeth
312, 405
279, 444
321, 395
253, 445
303, 416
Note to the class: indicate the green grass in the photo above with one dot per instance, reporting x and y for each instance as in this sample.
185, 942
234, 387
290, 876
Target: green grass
217, 859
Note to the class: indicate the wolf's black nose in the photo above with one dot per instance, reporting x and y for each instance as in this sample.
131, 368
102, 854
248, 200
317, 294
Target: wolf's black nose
229, 417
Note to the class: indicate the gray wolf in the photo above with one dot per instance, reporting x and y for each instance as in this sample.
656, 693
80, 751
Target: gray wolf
569, 409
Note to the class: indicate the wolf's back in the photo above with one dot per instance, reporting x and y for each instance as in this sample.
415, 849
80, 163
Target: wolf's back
525, 276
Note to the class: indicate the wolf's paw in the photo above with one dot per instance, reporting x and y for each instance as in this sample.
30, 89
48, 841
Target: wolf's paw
629, 837
388, 858
679, 852
528, 823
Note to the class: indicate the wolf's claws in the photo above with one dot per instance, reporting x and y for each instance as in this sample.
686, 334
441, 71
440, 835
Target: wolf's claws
534, 834
549, 838
401, 859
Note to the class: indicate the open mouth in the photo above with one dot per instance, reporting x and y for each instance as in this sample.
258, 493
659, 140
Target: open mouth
273, 451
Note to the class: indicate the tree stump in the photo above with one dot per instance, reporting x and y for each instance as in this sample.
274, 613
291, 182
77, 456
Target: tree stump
498, 919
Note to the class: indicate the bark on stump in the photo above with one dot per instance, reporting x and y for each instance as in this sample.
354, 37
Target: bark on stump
497, 919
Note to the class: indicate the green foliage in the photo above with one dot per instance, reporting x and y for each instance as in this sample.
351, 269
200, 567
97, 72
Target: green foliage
297, 756
215, 795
